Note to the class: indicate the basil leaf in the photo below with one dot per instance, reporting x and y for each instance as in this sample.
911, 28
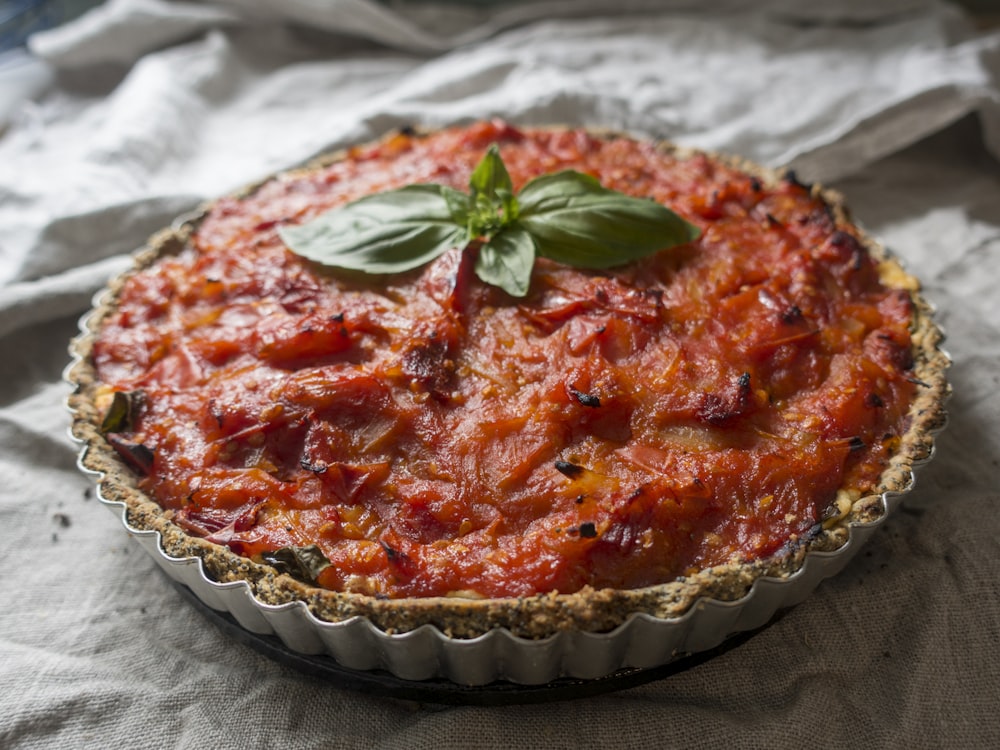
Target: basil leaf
490, 177
491, 201
506, 261
383, 233
575, 220
458, 204
304, 563
122, 413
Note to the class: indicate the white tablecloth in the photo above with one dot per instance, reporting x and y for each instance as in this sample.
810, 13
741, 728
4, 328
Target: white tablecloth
137, 112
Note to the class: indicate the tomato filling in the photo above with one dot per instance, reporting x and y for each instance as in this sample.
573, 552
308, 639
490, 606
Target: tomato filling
433, 436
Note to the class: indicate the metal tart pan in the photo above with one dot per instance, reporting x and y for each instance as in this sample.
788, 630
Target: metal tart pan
642, 641
445, 692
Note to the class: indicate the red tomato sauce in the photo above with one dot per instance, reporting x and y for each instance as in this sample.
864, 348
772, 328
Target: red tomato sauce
432, 435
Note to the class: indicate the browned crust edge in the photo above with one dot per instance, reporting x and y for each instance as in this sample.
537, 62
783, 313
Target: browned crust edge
536, 616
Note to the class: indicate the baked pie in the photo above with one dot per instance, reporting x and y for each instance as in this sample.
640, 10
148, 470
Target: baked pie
420, 447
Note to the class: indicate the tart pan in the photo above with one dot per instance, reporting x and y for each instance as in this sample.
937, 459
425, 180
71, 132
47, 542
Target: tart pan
444, 692
649, 628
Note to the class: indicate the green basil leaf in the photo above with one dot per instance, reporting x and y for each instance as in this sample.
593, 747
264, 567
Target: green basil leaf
490, 176
383, 233
459, 205
492, 203
506, 261
304, 563
510, 205
575, 220
124, 410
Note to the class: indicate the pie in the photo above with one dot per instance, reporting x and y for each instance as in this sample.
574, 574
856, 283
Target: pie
423, 448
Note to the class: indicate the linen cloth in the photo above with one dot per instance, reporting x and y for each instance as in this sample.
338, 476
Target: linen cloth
142, 109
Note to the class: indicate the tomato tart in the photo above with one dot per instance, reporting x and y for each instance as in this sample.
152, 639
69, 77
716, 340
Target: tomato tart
418, 447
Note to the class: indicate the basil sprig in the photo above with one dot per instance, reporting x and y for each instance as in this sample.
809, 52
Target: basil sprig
566, 216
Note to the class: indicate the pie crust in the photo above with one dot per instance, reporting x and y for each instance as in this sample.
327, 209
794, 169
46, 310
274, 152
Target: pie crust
540, 616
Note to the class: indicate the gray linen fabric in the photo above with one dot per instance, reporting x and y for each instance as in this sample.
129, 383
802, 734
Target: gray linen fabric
143, 110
